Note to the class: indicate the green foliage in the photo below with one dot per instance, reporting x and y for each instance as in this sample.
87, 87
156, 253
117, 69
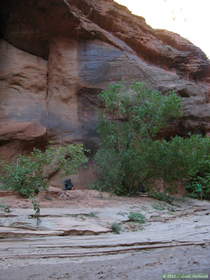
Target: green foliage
136, 217
130, 154
67, 158
116, 228
92, 215
162, 197
158, 206
26, 176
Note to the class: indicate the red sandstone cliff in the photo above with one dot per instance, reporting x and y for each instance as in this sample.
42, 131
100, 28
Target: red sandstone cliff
57, 55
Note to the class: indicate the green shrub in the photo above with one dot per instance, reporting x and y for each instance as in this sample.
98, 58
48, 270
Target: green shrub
92, 215
162, 196
116, 228
136, 217
26, 176
158, 206
130, 154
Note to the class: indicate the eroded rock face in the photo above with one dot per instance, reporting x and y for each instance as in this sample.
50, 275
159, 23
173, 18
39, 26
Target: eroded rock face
56, 56
21, 131
22, 100
23, 84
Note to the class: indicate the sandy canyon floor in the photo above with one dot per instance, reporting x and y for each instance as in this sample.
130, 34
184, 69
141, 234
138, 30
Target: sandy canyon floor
74, 237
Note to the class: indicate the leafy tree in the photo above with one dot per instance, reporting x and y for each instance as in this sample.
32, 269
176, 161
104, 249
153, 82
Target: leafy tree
130, 154
26, 175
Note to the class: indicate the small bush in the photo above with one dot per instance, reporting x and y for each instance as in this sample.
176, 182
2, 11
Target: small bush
116, 228
162, 197
92, 215
26, 175
158, 206
136, 217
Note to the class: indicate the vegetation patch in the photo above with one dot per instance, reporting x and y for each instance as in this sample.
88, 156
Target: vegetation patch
136, 217
158, 206
92, 215
26, 174
162, 196
132, 156
116, 228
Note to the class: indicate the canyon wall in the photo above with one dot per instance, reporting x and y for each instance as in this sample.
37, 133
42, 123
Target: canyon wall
57, 55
